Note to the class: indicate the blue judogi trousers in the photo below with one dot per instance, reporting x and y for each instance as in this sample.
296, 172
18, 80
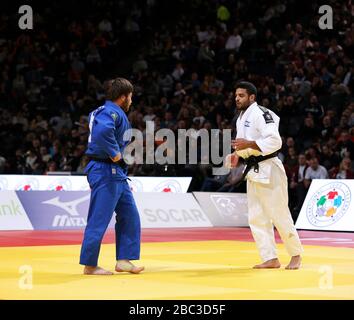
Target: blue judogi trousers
107, 196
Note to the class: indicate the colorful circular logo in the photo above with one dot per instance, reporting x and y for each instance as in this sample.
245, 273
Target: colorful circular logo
329, 204
28, 185
168, 186
62, 184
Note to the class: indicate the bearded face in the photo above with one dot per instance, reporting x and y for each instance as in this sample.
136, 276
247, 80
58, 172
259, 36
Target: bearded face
126, 103
243, 99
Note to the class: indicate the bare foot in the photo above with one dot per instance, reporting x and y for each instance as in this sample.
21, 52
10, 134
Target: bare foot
294, 263
127, 266
88, 270
270, 264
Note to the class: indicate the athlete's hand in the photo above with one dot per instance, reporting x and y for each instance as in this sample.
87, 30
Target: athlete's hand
117, 157
231, 160
240, 144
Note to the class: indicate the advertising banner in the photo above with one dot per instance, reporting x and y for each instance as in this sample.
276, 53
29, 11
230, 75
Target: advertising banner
224, 209
56, 211
12, 213
170, 210
47, 210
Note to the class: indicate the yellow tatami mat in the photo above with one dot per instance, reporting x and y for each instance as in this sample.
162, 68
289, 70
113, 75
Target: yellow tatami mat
177, 270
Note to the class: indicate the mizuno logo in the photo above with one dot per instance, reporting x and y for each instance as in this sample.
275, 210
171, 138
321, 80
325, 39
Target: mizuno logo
70, 206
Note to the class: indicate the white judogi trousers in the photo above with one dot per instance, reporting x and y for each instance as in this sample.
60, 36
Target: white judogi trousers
268, 206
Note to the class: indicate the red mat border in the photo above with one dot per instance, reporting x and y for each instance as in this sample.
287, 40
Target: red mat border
74, 237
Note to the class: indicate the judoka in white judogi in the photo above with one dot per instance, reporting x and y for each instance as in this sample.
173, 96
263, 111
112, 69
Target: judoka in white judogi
267, 189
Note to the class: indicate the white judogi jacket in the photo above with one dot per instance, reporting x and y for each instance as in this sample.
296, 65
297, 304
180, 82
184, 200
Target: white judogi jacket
262, 126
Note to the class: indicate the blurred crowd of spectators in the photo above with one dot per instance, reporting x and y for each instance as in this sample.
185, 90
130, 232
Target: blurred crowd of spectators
184, 74
52, 77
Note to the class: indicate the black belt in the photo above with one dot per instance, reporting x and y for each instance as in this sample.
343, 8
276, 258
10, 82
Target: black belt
252, 162
120, 162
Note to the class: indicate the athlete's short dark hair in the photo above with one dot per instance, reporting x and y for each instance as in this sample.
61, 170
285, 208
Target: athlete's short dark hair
248, 86
116, 88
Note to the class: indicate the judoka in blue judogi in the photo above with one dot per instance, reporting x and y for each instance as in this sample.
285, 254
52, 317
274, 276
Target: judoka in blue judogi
107, 177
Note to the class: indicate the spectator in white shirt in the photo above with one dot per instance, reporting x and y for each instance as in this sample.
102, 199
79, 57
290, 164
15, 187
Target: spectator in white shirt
205, 35
31, 159
315, 171
45, 154
178, 72
234, 41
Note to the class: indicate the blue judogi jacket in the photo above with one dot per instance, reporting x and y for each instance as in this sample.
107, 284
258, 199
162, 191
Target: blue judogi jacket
107, 124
